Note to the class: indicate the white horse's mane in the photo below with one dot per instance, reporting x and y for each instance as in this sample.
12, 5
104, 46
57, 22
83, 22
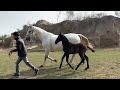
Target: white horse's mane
40, 29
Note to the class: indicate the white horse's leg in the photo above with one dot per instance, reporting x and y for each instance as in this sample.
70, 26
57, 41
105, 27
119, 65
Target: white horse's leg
52, 59
72, 58
46, 56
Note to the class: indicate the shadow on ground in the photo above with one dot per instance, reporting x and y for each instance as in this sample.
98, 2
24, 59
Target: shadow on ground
44, 73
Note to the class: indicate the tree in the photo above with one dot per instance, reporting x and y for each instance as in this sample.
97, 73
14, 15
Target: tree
3, 37
69, 14
58, 16
117, 13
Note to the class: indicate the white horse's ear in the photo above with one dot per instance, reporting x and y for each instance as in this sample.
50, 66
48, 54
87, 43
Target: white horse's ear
30, 24
61, 33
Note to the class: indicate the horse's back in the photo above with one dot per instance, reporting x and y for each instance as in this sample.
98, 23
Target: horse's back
73, 38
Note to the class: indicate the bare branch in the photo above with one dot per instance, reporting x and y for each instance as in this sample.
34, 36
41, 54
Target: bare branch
69, 14
58, 16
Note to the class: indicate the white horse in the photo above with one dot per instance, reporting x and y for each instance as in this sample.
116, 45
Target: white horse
48, 41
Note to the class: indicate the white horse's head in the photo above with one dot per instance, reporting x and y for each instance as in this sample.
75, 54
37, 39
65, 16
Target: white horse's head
30, 33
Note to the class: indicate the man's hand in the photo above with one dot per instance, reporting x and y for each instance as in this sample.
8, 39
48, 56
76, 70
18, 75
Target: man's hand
10, 53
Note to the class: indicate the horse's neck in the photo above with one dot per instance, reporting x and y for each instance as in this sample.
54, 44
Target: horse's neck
42, 34
65, 42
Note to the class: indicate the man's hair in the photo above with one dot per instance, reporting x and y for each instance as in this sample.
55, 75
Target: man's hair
15, 34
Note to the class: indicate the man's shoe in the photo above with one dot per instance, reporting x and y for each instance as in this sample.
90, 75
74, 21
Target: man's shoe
36, 71
15, 74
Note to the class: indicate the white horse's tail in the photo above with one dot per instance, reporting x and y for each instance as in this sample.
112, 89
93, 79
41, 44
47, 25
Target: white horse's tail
86, 41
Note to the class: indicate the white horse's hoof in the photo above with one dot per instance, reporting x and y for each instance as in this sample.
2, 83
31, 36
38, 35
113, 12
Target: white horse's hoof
55, 60
41, 66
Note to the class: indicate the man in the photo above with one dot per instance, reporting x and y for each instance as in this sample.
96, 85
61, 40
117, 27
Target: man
22, 54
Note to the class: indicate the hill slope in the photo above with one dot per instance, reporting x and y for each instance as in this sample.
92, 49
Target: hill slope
102, 32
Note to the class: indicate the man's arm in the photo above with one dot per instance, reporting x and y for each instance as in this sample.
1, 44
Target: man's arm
18, 47
14, 50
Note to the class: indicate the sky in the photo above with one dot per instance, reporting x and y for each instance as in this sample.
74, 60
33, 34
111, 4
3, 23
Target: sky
11, 20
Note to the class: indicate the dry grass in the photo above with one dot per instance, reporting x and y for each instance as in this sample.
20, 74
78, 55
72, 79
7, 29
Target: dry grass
104, 64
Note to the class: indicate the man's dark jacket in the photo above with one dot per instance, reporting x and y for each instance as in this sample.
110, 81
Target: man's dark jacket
20, 47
